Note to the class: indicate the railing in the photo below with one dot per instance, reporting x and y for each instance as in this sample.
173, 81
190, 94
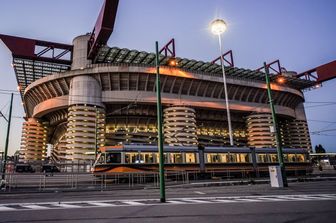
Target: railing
108, 181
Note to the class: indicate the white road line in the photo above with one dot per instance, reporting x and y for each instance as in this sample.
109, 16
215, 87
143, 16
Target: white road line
271, 199
225, 201
247, 199
327, 196
135, 203
297, 198
35, 207
195, 201
101, 204
176, 202
3, 208
62, 205
199, 192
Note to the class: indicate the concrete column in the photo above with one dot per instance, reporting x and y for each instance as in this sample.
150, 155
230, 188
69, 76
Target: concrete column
33, 141
180, 126
80, 50
259, 133
86, 119
295, 134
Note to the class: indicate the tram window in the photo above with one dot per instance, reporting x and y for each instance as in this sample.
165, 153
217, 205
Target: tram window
285, 157
101, 158
113, 158
233, 158
274, 158
149, 158
213, 158
243, 158
300, 158
224, 158
165, 157
291, 158
190, 158
262, 158
131, 157
176, 158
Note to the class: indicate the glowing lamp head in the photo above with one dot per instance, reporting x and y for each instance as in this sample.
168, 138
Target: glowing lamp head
281, 80
172, 62
218, 26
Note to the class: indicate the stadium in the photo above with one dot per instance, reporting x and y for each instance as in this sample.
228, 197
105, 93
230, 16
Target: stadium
82, 96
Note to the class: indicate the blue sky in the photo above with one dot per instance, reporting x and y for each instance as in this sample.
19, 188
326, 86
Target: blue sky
301, 33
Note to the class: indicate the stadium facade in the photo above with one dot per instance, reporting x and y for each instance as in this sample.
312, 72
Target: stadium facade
110, 99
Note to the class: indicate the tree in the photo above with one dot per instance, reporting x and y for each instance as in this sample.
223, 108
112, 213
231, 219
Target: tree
319, 149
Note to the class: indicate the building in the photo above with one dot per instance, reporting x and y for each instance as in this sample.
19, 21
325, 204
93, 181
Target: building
84, 103
81, 96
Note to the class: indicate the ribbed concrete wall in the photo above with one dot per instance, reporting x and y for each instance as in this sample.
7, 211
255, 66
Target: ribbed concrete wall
295, 134
180, 126
259, 133
59, 150
33, 141
85, 131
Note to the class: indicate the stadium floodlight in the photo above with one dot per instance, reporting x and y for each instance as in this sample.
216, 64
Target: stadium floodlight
218, 27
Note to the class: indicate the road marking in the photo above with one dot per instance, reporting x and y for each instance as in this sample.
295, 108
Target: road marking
63, 205
195, 200
177, 202
101, 204
4, 208
199, 192
247, 200
172, 201
225, 201
35, 207
271, 199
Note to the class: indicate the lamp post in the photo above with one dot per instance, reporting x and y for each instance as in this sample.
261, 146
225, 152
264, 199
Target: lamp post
159, 125
218, 26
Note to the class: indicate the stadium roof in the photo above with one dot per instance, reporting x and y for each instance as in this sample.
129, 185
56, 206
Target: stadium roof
116, 55
34, 59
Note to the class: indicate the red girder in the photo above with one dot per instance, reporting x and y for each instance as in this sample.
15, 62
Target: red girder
229, 61
169, 48
103, 28
277, 69
321, 73
26, 49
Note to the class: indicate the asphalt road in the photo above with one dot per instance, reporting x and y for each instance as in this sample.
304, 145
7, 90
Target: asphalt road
300, 202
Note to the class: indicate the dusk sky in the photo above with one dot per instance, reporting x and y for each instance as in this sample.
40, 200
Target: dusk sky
301, 33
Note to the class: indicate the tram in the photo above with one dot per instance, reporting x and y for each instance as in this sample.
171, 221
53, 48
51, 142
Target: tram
142, 158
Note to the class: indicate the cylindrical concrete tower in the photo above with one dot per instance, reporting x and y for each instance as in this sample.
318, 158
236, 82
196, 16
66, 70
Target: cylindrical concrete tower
259, 133
33, 141
80, 51
180, 126
86, 119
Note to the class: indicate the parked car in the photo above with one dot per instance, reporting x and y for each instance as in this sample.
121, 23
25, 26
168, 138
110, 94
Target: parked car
24, 168
49, 168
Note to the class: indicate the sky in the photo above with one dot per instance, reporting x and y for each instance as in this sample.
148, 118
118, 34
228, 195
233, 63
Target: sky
301, 33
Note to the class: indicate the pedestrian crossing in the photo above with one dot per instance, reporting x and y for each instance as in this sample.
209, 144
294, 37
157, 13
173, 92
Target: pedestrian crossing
172, 201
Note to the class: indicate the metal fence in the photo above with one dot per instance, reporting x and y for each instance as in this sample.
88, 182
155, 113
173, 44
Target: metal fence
108, 181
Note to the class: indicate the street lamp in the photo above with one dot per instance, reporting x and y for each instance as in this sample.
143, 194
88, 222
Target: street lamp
218, 26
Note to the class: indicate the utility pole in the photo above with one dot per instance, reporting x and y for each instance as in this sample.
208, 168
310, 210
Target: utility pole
159, 125
7, 138
276, 128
